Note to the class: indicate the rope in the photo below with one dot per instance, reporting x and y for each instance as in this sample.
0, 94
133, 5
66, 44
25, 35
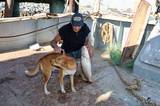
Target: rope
133, 88
107, 33
107, 37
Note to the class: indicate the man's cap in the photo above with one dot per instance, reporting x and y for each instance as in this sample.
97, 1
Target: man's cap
77, 19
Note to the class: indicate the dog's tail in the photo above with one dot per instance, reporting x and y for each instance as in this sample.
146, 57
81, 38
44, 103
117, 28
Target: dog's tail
33, 71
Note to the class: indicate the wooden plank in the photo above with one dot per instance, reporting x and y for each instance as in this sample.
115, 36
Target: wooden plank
71, 5
136, 31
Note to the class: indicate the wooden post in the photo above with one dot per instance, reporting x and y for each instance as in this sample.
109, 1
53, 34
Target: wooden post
71, 5
9, 4
97, 6
94, 24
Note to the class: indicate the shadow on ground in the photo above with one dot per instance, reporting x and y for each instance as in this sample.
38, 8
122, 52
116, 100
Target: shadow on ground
16, 89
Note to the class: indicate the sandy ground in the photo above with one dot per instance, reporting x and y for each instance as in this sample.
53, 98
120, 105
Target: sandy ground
18, 90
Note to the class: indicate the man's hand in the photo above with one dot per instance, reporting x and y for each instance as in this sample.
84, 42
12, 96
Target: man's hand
54, 43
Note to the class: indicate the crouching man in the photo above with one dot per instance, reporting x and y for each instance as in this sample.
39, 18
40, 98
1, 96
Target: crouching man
76, 42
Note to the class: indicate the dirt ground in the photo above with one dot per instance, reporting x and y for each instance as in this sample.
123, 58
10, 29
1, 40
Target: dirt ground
16, 89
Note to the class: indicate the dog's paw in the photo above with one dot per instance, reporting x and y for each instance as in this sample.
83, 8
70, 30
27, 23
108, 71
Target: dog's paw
73, 90
47, 93
63, 91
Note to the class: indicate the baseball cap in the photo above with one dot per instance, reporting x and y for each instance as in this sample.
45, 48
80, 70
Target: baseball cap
77, 19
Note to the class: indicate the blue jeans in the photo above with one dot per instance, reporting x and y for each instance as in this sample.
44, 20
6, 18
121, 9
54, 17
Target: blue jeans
75, 54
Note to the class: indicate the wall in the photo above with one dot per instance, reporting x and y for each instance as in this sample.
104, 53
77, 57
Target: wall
121, 30
16, 26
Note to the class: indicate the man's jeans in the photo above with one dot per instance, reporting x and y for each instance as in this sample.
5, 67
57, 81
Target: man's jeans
75, 54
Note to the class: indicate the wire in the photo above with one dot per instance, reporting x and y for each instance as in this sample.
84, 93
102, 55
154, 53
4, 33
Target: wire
18, 35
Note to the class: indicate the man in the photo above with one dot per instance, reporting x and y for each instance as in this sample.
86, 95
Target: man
73, 36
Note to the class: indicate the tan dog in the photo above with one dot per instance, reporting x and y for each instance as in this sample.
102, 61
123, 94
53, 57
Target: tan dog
64, 64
